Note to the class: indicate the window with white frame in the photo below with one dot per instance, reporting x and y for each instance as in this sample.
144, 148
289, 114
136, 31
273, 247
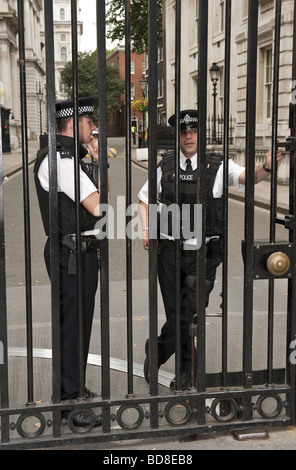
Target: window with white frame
221, 16
268, 82
221, 93
197, 17
160, 54
63, 54
160, 88
62, 14
132, 66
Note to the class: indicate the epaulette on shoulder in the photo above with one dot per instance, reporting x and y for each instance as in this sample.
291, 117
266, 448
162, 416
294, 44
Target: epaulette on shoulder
65, 154
168, 159
215, 156
213, 162
168, 154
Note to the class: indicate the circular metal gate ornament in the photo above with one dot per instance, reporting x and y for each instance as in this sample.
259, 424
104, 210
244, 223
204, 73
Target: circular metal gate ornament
177, 414
41, 425
232, 413
264, 398
129, 424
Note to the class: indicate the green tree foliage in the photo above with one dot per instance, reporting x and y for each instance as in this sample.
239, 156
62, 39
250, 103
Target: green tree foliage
87, 80
139, 22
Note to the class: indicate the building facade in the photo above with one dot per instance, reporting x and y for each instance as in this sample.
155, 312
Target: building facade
35, 69
34, 38
63, 40
117, 121
239, 46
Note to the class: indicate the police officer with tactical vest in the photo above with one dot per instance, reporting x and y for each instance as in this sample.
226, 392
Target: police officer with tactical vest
89, 211
166, 255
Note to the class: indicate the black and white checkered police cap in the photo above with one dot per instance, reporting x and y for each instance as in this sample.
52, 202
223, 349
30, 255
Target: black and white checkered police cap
188, 119
65, 109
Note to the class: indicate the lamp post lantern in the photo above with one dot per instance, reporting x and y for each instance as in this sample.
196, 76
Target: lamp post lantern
214, 74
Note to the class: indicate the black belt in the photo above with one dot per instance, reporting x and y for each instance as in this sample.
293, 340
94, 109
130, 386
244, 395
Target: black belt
170, 244
213, 247
88, 243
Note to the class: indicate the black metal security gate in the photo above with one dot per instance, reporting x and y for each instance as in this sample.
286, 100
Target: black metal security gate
220, 401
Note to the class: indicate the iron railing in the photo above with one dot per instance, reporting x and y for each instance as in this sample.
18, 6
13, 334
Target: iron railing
220, 401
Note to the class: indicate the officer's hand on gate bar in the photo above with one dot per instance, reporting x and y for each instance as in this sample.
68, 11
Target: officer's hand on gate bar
268, 158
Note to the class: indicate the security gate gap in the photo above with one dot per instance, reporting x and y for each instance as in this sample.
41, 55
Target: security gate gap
221, 401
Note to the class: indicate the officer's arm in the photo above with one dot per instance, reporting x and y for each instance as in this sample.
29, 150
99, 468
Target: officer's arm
94, 151
144, 216
92, 204
260, 172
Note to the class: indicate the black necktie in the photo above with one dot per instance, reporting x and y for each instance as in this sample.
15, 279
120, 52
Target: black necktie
188, 165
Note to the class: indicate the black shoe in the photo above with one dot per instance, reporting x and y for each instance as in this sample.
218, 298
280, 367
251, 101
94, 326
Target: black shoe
82, 419
89, 394
146, 363
185, 382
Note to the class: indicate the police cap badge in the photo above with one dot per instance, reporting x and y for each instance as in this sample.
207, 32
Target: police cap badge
188, 119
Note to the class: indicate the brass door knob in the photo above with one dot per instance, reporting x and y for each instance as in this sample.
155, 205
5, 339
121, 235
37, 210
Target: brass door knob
278, 263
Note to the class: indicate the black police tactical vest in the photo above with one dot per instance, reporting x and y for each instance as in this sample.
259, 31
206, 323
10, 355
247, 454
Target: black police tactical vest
214, 206
66, 207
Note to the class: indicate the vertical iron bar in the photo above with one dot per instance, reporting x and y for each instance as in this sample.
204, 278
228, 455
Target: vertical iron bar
273, 195
77, 198
29, 325
4, 397
201, 191
225, 191
128, 198
152, 149
53, 214
177, 194
249, 197
104, 284
291, 317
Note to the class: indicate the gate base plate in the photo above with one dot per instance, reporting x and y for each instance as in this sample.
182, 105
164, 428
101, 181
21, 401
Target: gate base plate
248, 434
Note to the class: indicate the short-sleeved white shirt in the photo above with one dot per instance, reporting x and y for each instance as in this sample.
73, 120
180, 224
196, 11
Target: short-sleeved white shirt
66, 178
233, 175
234, 172
66, 181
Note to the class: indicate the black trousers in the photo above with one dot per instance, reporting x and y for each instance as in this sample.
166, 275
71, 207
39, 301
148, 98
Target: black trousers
166, 276
69, 315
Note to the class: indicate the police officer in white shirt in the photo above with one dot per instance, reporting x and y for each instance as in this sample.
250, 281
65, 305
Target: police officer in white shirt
214, 215
89, 212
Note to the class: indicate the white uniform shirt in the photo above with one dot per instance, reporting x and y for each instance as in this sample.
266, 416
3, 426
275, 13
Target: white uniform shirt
65, 177
66, 180
233, 175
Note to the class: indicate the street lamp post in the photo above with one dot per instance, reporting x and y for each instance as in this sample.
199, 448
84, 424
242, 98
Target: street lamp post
40, 98
143, 83
214, 74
